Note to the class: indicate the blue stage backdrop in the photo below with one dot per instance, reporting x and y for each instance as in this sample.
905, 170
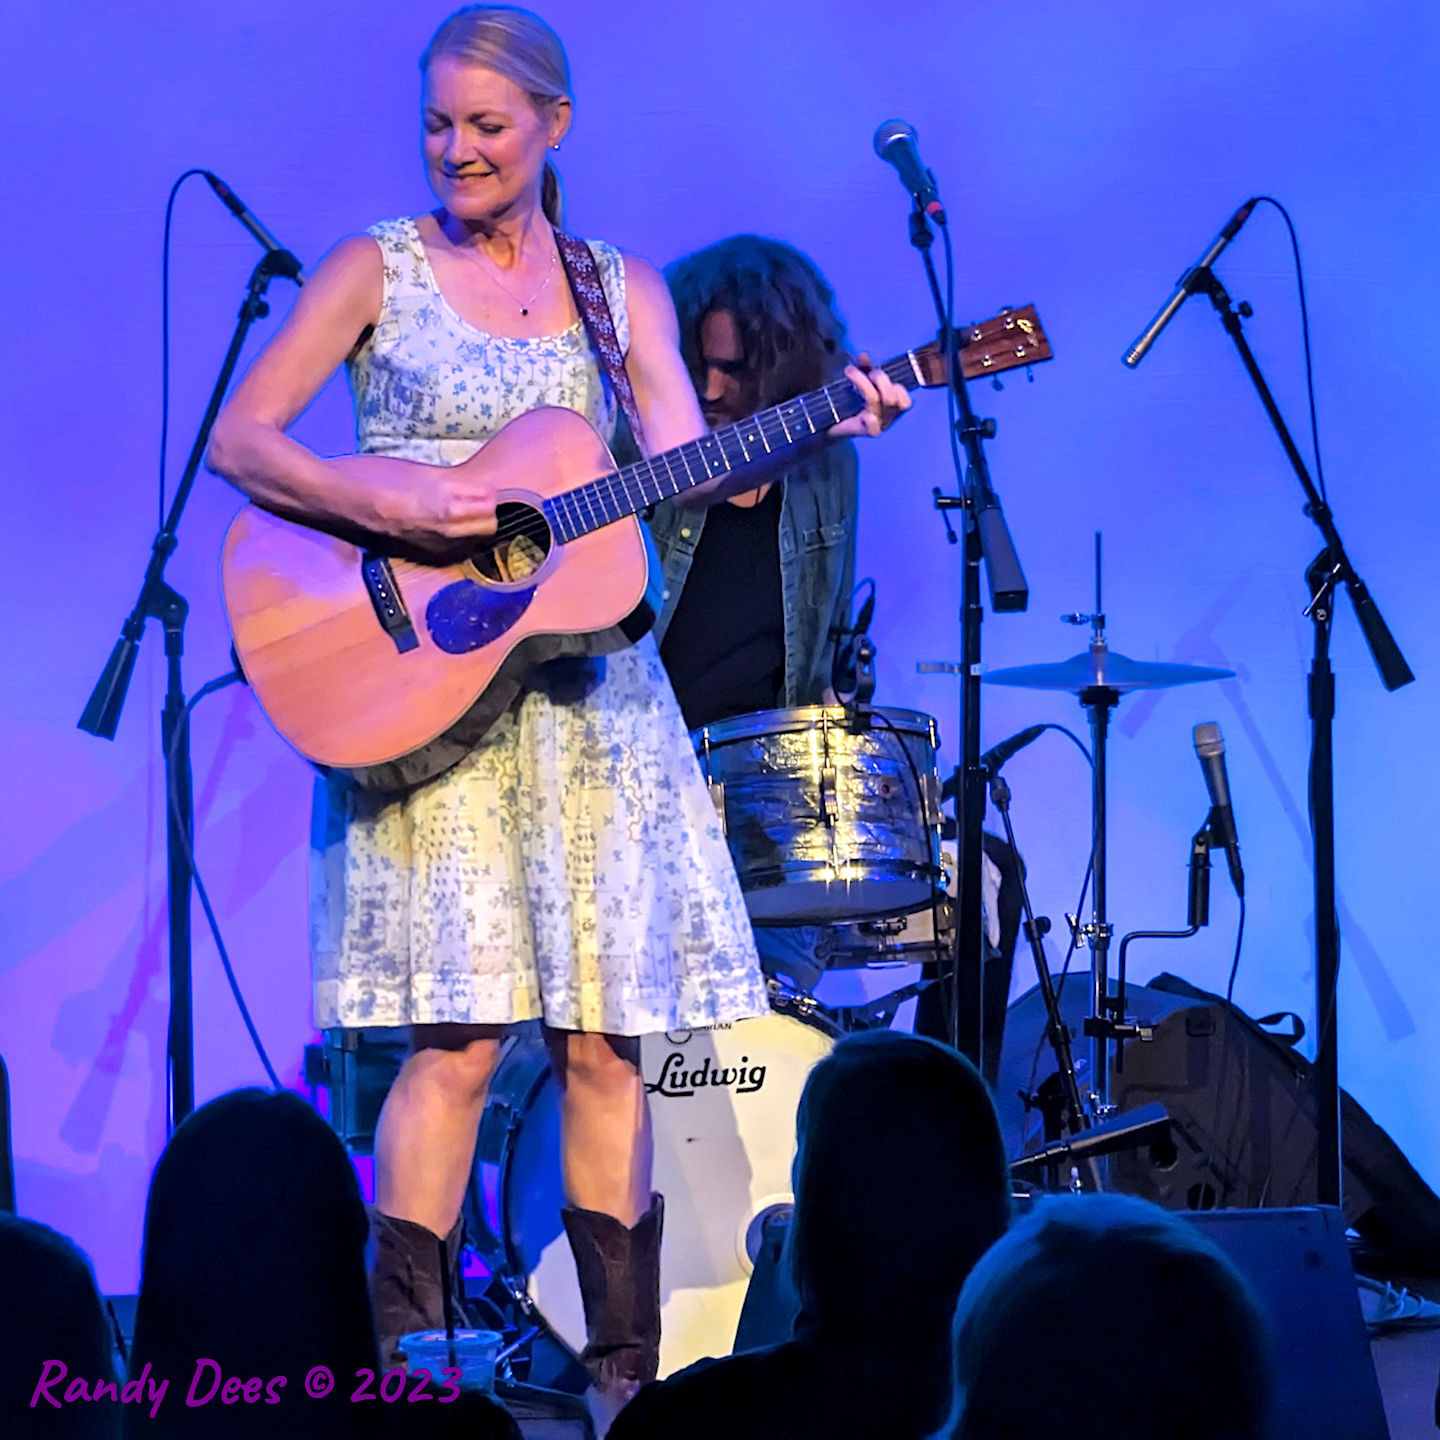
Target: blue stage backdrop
1087, 153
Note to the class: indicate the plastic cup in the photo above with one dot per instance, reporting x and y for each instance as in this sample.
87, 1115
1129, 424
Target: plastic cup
474, 1353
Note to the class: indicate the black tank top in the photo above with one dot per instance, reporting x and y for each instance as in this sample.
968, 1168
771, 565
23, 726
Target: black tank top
725, 645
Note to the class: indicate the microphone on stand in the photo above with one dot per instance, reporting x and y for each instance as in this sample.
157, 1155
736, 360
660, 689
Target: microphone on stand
1184, 286
282, 261
897, 144
997, 755
994, 758
1210, 747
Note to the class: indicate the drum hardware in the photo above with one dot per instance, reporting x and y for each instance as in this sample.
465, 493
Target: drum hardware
1100, 678
922, 937
787, 999
878, 1014
355, 1067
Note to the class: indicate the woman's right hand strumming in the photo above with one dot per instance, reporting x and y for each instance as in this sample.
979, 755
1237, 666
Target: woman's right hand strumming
429, 506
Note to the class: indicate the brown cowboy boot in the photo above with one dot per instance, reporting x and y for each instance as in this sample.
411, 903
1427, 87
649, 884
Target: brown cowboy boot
619, 1271
406, 1285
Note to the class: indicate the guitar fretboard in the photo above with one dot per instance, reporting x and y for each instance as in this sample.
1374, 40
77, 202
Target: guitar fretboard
719, 452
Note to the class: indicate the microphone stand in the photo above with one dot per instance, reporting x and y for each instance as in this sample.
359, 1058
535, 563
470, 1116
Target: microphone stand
158, 601
1330, 569
987, 541
1114, 1026
1056, 1030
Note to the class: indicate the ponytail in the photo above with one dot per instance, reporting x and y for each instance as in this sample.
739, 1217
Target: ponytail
552, 196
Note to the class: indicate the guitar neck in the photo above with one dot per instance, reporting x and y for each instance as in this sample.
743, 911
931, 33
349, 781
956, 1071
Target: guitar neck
722, 452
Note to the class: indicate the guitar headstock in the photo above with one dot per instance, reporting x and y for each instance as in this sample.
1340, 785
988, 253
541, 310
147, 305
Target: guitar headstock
1003, 342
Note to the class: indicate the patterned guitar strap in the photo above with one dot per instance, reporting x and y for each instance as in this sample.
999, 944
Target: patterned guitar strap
594, 308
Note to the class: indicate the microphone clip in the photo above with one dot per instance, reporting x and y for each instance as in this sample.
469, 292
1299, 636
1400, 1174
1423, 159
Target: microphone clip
852, 677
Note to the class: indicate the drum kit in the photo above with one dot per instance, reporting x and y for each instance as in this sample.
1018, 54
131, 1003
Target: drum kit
833, 817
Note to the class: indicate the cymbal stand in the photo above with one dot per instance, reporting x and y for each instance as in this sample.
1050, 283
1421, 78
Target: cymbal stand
1099, 700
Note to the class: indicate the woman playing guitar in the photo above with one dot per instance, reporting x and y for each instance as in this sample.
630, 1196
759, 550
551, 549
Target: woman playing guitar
570, 869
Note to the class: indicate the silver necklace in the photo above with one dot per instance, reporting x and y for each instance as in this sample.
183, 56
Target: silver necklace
524, 305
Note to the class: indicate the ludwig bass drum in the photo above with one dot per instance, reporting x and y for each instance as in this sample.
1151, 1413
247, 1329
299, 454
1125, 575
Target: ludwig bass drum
722, 1103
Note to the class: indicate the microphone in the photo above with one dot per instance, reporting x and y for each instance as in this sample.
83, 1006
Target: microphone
282, 261
897, 144
1184, 286
997, 755
1210, 747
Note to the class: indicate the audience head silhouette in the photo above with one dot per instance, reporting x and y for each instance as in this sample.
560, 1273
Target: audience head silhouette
254, 1259
901, 1183
1188, 1332
50, 1310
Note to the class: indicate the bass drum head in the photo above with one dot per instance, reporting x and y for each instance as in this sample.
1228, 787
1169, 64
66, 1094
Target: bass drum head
722, 1104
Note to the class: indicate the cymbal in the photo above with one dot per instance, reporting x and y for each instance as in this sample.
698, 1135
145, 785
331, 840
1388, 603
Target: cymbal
1101, 666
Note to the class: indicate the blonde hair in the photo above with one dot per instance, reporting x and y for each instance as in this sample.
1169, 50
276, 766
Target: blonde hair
519, 45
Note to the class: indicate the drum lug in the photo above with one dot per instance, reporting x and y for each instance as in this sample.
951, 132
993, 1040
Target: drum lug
829, 794
931, 799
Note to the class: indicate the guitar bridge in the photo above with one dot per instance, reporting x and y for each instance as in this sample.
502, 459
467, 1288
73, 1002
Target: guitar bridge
389, 605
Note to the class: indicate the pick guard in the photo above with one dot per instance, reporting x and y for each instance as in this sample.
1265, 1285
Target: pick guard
466, 615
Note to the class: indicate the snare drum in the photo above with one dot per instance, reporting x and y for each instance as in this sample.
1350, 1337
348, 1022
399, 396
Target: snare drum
722, 1105
831, 815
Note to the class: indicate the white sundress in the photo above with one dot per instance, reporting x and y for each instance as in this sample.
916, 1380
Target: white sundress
571, 868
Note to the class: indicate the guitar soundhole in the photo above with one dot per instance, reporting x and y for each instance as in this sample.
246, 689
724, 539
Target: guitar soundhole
518, 547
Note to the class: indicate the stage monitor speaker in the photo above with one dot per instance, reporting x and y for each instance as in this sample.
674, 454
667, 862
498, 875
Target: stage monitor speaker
1297, 1262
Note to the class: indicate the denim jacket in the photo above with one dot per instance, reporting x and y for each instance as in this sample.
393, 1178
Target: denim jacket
817, 562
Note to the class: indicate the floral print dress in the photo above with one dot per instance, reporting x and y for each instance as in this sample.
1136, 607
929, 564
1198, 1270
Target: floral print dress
571, 868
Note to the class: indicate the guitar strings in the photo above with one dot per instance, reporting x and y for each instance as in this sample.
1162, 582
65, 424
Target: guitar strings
533, 525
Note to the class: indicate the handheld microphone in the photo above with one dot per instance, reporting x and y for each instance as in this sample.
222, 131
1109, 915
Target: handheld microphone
897, 144
282, 261
1184, 286
1210, 747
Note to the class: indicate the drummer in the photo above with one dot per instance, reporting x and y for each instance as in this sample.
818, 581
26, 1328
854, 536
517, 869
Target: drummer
757, 588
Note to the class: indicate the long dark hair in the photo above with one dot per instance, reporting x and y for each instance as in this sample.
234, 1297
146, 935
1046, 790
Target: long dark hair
254, 1257
783, 306
897, 1134
50, 1311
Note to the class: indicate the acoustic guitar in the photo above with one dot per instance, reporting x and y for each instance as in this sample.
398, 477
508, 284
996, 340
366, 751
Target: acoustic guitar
391, 666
